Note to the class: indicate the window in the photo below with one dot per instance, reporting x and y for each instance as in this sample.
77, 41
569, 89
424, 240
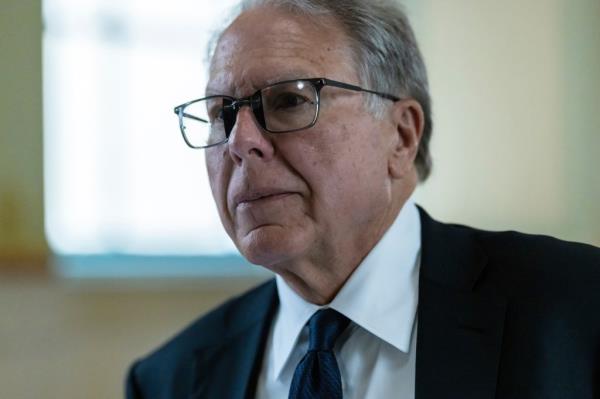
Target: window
120, 182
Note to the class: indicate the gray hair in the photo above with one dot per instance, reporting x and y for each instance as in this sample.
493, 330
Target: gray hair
385, 50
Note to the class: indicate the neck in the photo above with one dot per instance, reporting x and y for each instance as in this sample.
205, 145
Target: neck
319, 280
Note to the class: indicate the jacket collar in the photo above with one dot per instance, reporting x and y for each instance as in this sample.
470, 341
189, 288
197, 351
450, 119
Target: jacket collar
460, 327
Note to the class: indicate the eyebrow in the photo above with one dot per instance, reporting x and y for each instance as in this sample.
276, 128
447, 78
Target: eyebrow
210, 91
288, 75
279, 77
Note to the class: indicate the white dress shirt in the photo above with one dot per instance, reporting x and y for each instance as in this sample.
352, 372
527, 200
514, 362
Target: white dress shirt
376, 354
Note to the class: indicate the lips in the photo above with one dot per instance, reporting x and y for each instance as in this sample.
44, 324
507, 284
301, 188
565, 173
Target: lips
247, 198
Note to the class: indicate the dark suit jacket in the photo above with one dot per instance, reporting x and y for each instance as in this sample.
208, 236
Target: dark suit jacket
501, 315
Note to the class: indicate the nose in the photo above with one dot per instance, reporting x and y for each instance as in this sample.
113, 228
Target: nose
247, 142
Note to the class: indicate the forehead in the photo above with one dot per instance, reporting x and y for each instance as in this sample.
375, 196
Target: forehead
267, 45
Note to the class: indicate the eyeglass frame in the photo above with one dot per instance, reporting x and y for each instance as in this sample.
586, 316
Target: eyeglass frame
256, 98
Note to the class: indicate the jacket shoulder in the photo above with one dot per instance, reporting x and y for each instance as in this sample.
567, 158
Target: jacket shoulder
172, 363
539, 252
523, 264
515, 263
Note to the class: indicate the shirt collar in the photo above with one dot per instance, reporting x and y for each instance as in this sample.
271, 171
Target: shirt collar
380, 296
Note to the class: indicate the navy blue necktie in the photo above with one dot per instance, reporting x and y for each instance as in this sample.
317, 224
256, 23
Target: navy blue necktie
317, 376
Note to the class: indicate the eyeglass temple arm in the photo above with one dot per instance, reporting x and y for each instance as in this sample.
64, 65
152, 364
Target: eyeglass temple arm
178, 112
348, 86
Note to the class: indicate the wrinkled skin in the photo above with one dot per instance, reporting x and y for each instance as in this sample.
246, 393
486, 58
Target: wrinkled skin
328, 193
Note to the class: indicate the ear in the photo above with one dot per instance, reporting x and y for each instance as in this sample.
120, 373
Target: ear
409, 121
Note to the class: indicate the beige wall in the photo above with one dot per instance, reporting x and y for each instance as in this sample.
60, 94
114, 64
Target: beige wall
516, 99
516, 91
66, 340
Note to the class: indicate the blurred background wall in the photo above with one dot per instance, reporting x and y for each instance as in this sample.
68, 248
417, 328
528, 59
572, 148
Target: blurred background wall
516, 96
516, 99
21, 175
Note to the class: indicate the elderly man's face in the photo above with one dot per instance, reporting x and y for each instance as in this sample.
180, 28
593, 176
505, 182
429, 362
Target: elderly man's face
306, 196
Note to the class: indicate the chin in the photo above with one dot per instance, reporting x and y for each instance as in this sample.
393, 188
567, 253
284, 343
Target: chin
270, 245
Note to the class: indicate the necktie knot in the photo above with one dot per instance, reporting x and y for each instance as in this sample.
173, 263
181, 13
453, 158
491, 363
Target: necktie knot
325, 327
318, 375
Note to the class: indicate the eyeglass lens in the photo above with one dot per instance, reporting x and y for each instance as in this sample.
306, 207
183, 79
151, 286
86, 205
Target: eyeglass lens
278, 108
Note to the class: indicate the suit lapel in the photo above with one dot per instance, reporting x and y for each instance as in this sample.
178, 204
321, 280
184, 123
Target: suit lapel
231, 368
460, 329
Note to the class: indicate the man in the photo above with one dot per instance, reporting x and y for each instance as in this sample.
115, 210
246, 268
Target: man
316, 127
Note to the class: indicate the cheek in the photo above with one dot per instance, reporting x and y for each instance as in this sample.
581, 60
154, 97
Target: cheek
351, 151
212, 168
218, 178
347, 171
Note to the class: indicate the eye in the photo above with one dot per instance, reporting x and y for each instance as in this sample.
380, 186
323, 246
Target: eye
215, 114
287, 101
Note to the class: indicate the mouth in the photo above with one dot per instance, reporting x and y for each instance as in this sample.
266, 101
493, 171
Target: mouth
251, 199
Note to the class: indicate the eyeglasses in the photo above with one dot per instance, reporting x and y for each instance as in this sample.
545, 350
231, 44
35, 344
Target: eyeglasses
282, 107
